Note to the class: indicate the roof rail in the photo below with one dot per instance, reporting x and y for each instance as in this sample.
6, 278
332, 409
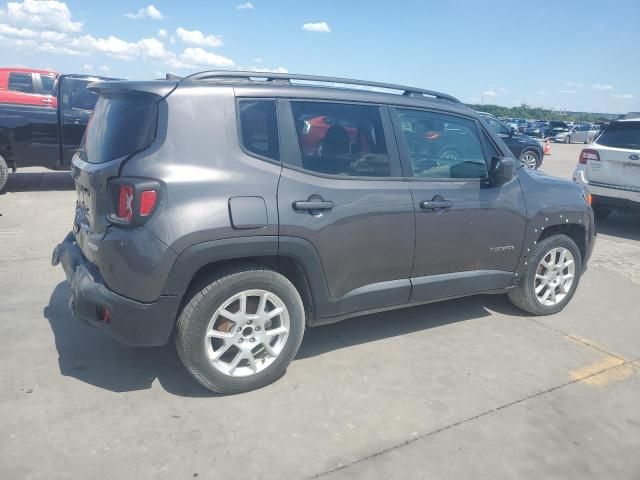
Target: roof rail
287, 77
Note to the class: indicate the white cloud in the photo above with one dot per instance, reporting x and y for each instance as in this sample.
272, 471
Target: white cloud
622, 95
489, 93
196, 37
258, 60
599, 86
317, 27
118, 48
543, 93
49, 15
147, 12
245, 6
25, 27
574, 84
200, 57
13, 32
567, 91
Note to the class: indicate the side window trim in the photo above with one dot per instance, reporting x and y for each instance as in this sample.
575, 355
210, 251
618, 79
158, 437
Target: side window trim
292, 156
239, 129
404, 148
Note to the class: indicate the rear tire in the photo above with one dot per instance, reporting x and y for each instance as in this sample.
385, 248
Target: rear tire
530, 294
226, 337
4, 174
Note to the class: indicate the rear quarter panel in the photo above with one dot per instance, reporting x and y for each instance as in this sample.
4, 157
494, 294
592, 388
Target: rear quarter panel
198, 159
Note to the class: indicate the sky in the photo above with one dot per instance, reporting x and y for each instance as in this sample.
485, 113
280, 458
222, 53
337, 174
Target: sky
575, 55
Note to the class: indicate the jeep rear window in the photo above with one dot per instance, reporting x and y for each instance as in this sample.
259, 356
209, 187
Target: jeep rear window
259, 126
120, 125
621, 135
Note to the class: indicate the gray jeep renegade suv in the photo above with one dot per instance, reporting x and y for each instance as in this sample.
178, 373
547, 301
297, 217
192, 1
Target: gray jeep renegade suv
231, 210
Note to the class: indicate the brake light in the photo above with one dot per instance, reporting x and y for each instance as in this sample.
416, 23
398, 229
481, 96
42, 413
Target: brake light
125, 203
147, 202
588, 154
133, 200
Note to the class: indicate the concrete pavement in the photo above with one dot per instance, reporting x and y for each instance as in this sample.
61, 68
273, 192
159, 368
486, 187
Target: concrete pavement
462, 389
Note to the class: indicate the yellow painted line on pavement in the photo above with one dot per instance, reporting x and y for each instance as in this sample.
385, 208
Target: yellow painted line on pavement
612, 368
604, 372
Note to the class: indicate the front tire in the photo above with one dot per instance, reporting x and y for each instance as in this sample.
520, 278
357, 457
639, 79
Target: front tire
567, 140
241, 330
550, 278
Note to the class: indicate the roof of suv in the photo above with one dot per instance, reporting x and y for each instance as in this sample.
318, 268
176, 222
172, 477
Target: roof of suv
285, 85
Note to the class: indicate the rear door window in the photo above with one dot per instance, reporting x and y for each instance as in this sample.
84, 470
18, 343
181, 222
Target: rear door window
621, 135
120, 125
341, 139
259, 127
21, 82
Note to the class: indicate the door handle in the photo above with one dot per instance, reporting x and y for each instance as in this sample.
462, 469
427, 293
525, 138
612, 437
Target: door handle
436, 204
311, 205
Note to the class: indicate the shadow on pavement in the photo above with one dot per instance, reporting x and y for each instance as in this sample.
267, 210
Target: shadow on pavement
39, 182
621, 224
370, 328
95, 358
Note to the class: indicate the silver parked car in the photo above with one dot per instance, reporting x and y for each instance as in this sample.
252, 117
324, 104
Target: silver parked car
577, 133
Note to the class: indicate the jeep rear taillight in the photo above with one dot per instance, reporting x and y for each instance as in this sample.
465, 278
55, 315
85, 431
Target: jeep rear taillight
147, 202
588, 154
133, 200
125, 203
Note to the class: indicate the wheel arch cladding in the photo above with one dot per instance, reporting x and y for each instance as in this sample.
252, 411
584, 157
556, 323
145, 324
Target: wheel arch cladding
574, 225
201, 262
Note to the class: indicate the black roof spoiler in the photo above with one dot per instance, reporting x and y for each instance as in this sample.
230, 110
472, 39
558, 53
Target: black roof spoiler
213, 75
161, 88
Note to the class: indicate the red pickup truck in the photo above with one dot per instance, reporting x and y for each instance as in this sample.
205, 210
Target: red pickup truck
25, 86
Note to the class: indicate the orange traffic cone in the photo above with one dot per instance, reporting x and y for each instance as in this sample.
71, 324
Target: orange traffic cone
547, 147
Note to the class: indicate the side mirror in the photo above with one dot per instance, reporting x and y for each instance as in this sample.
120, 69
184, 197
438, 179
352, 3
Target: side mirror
502, 170
513, 131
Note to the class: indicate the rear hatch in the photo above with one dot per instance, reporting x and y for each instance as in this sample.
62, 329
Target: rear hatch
123, 123
619, 150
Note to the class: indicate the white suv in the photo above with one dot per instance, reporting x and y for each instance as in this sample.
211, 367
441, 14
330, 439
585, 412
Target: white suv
610, 167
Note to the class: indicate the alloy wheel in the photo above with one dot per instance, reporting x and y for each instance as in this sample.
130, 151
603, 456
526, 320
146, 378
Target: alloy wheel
247, 333
529, 160
554, 276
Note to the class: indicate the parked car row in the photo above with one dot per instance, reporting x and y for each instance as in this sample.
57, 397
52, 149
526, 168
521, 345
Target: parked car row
558, 131
526, 149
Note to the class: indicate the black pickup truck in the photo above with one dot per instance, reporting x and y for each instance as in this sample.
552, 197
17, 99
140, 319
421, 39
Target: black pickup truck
34, 135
